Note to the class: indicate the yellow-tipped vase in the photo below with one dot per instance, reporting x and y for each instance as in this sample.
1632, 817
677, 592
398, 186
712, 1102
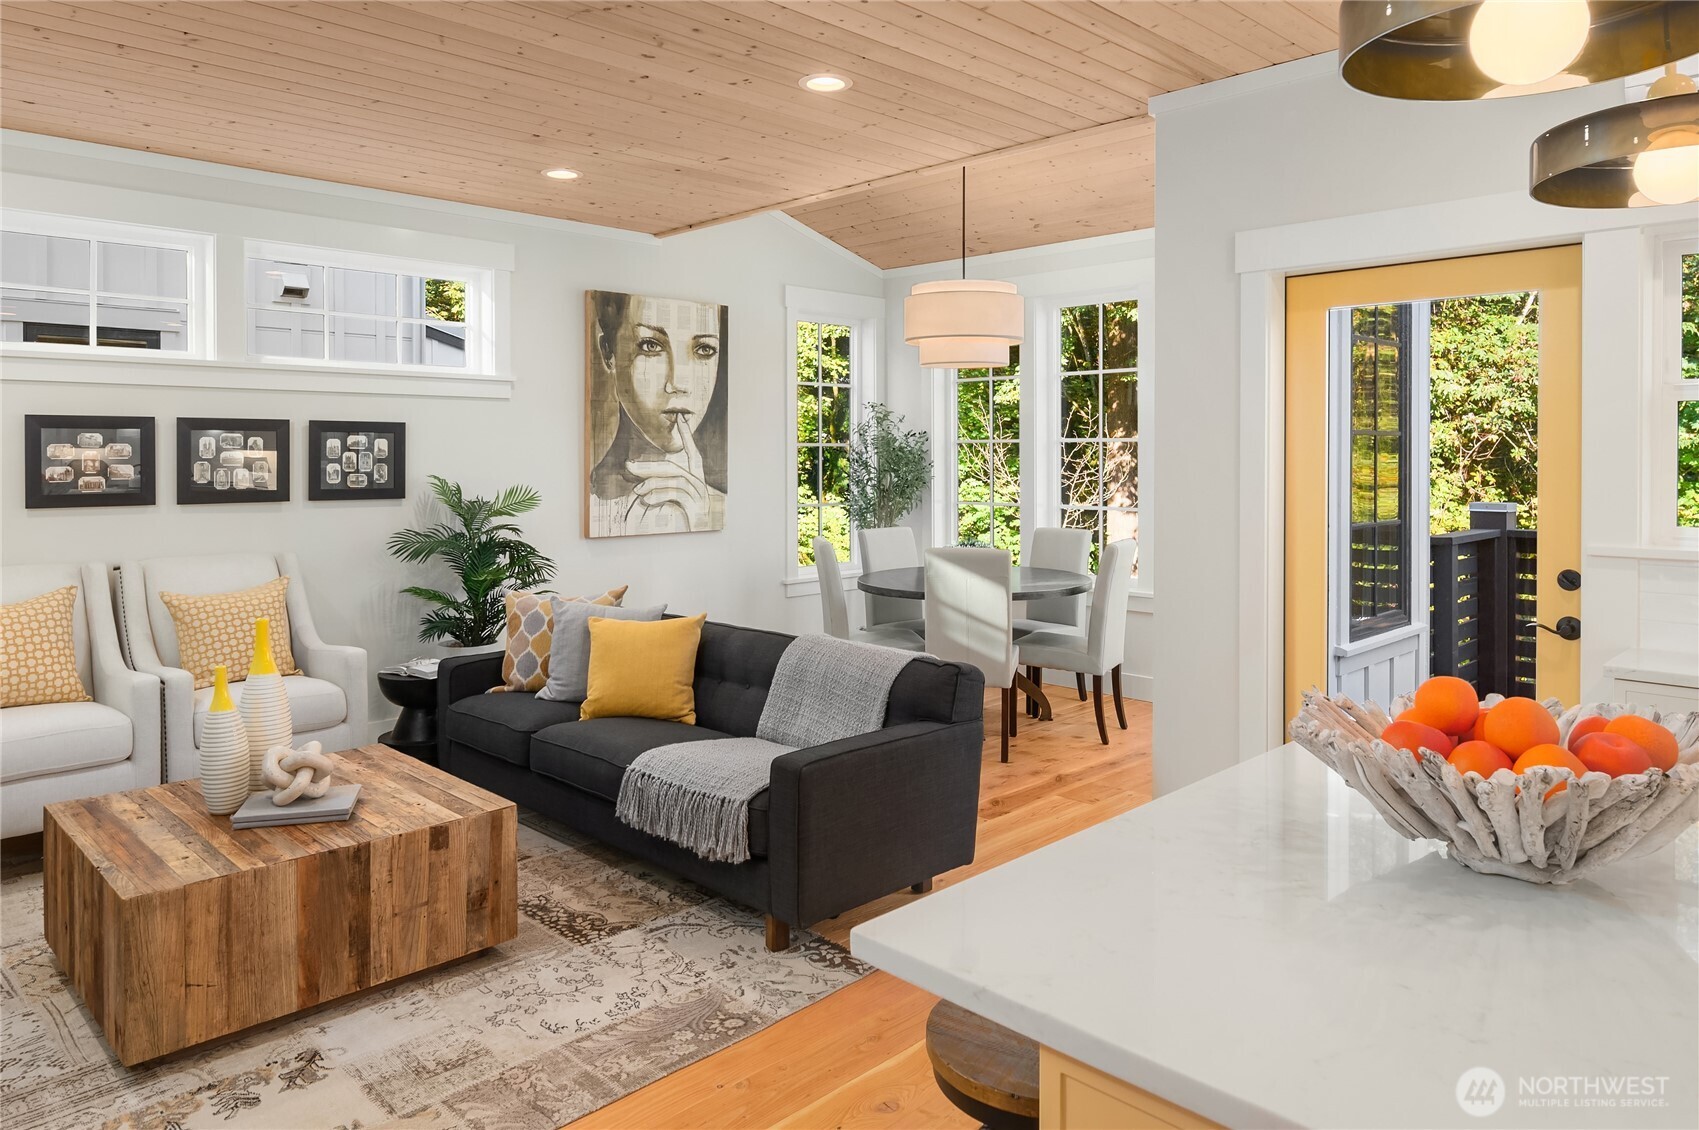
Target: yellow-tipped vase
265, 706
226, 768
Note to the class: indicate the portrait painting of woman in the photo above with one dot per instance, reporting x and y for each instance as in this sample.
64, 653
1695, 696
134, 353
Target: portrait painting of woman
656, 421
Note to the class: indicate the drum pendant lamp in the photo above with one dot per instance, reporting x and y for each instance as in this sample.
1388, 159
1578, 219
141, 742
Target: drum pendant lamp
964, 323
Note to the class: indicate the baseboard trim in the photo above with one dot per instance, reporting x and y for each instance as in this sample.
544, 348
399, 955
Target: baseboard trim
1140, 687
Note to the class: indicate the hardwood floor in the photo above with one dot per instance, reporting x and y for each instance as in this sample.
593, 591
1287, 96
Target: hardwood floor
858, 1058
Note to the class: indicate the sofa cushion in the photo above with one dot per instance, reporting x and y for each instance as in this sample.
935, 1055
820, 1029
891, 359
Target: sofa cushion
501, 725
734, 669
38, 650
58, 737
217, 629
593, 755
314, 704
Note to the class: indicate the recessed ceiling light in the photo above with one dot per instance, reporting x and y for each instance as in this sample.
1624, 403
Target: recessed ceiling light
826, 84
561, 174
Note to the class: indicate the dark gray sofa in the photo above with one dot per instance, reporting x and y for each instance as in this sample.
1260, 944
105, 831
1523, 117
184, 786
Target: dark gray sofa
839, 825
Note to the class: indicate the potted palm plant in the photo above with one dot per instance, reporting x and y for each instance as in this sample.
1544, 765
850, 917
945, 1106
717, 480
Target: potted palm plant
487, 555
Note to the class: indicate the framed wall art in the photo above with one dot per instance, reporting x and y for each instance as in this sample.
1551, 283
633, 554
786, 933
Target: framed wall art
656, 382
356, 459
88, 461
222, 460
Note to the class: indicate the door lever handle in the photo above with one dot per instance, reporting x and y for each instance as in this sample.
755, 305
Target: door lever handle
1568, 627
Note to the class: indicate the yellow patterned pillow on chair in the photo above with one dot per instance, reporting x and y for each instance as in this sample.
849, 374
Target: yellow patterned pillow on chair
38, 650
217, 630
530, 637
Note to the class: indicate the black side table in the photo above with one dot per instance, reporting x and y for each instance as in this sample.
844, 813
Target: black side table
415, 732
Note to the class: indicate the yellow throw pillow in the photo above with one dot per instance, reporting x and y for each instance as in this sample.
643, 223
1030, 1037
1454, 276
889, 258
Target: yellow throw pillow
38, 650
643, 669
218, 630
530, 636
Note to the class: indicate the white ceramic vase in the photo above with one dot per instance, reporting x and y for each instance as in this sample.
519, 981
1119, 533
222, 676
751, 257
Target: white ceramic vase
265, 706
226, 769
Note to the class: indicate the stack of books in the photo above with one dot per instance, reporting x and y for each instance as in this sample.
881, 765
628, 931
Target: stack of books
259, 812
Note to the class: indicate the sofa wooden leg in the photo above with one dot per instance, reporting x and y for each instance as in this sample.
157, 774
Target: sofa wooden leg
1120, 709
1079, 681
922, 887
1097, 705
1005, 718
778, 935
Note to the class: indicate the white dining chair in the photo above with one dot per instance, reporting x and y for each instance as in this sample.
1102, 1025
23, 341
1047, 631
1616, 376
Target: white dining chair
834, 609
1069, 550
1100, 651
891, 547
970, 619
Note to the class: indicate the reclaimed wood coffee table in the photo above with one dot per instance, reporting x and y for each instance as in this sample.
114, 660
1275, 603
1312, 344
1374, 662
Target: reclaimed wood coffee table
176, 929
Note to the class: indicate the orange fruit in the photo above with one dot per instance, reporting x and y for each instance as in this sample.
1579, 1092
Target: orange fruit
1446, 703
1479, 757
1591, 724
1416, 737
1656, 740
1476, 731
1517, 725
1613, 754
1548, 753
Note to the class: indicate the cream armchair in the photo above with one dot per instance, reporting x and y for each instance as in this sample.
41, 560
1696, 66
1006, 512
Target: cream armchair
328, 700
69, 750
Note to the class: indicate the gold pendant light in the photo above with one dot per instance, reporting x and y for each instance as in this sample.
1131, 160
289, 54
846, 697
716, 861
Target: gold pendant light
964, 323
1446, 51
1629, 156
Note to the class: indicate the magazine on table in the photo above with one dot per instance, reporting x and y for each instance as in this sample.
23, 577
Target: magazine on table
421, 668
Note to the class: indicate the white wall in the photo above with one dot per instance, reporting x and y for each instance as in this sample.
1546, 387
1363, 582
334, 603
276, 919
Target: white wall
534, 435
1288, 170
1105, 267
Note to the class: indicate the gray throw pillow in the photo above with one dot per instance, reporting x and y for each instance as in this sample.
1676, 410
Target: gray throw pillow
569, 652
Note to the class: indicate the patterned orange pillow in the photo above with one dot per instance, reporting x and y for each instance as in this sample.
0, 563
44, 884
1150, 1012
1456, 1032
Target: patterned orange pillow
530, 637
217, 629
38, 650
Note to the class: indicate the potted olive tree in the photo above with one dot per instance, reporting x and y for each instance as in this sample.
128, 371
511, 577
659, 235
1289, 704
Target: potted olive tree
487, 556
888, 469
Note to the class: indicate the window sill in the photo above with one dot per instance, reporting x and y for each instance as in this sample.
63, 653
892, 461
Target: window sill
197, 372
799, 587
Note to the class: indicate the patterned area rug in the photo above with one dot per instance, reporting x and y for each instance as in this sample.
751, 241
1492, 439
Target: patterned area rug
619, 975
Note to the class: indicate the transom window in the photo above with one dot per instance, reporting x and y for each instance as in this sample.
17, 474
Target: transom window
824, 408
339, 308
988, 456
1099, 413
67, 283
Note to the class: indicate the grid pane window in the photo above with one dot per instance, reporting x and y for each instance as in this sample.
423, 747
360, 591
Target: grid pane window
307, 311
135, 295
1099, 404
1687, 401
988, 456
1378, 449
824, 361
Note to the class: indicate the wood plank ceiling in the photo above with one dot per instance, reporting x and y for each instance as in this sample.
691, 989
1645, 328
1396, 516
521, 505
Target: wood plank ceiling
678, 114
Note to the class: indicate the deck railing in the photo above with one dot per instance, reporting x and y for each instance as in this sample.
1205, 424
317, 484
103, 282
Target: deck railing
1482, 605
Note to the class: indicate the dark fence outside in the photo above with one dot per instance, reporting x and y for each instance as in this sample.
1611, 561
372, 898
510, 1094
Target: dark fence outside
1483, 606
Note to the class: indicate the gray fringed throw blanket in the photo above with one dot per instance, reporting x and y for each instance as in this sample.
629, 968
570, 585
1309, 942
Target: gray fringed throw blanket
697, 794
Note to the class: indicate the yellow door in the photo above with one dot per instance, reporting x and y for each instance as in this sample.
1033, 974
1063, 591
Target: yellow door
1555, 273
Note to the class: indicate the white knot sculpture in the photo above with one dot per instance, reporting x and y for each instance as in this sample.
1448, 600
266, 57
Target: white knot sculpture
296, 773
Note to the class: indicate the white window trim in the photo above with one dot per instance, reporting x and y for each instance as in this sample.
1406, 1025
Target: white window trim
1662, 389
202, 315
1041, 414
483, 350
863, 315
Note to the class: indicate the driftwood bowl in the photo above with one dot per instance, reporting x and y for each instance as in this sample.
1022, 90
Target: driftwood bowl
1507, 824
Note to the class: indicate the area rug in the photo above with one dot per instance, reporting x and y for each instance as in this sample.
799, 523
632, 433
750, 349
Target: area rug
619, 975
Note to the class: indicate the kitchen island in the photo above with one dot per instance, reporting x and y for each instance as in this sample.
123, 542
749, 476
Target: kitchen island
1261, 949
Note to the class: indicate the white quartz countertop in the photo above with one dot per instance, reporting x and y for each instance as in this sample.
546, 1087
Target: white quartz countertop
1262, 949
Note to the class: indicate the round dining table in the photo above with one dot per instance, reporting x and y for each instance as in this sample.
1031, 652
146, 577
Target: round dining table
1029, 583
